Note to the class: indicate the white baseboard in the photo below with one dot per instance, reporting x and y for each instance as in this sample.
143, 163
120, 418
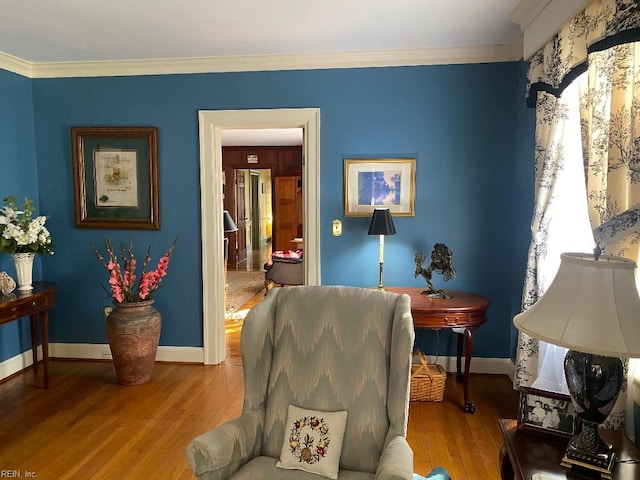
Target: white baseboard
92, 351
180, 354
18, 363
494, 366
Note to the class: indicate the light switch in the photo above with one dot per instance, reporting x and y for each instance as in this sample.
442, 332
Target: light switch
337, 228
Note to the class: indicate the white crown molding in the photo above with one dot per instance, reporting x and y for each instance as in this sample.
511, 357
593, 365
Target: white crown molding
527, 11
517, 48
383, 58
542, 19
16, 65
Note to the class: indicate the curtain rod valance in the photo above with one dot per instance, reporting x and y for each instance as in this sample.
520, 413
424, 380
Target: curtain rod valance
603, 24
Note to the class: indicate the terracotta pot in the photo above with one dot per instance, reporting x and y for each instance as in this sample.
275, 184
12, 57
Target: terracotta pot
133, 330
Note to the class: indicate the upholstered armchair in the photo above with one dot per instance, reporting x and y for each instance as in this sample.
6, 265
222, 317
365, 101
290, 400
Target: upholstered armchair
326, 349
284, 268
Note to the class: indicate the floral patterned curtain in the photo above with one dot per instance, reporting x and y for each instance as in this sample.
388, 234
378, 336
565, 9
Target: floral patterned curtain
560, 223
611, 142
598, 41
603, 24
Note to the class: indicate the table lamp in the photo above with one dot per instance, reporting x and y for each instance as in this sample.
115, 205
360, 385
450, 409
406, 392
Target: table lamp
381, 224
229, 224
593, 309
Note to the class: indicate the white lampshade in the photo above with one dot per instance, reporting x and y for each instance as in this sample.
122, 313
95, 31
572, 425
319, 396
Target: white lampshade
592, 306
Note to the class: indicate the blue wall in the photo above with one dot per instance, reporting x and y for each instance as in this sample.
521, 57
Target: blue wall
466, 125
18, 176
524, 168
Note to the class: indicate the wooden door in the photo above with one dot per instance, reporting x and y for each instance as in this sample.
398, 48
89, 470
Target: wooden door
241, 212
285, 214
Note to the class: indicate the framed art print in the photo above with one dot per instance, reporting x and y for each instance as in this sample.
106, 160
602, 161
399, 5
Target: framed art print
115, 177
379, 183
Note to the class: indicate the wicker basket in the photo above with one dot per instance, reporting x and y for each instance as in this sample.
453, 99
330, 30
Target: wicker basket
427, 381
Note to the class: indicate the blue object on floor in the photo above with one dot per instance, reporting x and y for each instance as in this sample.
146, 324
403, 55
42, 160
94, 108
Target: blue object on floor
437, 473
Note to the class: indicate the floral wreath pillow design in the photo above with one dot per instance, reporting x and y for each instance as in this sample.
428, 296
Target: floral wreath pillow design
308, 450
313, 441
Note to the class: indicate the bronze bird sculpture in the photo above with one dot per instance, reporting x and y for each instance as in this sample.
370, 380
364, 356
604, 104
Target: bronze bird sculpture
441, 258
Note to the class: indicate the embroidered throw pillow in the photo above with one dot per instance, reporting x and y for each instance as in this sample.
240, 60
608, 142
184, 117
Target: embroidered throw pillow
313, 441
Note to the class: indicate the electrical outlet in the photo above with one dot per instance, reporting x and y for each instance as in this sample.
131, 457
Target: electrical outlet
107, 310
106, 354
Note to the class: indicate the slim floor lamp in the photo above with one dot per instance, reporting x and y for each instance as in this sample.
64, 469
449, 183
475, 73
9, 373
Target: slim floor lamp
381, 224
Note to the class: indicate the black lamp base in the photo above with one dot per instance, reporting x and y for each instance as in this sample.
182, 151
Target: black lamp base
594, 382
599, 464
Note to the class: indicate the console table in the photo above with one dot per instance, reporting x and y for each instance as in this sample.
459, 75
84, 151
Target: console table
34, 304
463, 313
525, 454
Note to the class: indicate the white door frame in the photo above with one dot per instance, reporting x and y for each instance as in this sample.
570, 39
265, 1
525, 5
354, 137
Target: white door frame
211, 125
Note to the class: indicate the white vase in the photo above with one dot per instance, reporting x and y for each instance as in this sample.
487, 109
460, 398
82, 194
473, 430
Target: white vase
24, 269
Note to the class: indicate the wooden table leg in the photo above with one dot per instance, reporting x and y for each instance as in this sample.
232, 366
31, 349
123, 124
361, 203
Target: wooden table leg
465, 335
469, 406
506, 469
35, 305
44, 333
34, 340
459, 356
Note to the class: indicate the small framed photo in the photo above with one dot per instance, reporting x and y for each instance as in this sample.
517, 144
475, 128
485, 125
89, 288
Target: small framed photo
115, 177
547, 413
379, 182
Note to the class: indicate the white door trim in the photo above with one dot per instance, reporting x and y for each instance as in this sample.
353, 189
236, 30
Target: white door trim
211, 124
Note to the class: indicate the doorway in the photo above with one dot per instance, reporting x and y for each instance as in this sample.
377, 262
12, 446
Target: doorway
250, 246
260, 215
211, 125
252, 195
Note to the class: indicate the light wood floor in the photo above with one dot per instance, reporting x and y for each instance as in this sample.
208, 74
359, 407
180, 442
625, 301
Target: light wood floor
85, 426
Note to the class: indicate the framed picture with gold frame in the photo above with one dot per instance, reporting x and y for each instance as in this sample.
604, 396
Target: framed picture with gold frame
115, 177
372, 183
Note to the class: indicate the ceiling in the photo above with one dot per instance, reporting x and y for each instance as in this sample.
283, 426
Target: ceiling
38, 36
96, 30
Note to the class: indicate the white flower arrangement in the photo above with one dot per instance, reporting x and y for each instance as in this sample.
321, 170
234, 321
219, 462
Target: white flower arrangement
19, 233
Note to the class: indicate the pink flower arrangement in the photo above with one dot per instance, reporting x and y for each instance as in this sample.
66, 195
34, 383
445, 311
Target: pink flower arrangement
125, 285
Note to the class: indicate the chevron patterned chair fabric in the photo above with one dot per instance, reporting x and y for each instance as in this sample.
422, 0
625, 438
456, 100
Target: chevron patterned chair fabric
327, 349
